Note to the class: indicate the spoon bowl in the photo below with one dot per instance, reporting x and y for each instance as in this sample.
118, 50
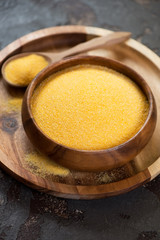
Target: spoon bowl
17, 56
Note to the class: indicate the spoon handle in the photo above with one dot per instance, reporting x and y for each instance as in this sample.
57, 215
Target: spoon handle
98, 42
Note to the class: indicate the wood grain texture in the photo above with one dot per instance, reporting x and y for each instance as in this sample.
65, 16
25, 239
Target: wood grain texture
80, 160
14, 145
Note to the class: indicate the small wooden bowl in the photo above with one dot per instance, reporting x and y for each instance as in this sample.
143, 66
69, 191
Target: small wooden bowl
86, 160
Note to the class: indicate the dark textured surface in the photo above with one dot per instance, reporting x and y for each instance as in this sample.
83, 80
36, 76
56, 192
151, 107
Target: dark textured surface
26, 214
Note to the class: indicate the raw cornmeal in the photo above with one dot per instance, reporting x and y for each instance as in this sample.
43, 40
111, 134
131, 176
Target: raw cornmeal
21, 71
89, 107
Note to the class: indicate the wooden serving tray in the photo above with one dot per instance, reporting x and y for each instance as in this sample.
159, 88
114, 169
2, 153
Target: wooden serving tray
14, 145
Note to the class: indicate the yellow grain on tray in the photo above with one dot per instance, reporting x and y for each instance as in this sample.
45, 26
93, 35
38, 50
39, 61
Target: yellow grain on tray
89, 107
41, 165
14, 104
21, 71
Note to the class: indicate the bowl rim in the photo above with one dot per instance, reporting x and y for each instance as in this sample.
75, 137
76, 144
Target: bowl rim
33, 85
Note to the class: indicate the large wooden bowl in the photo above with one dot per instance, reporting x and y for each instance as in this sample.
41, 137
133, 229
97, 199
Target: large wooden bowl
86, 160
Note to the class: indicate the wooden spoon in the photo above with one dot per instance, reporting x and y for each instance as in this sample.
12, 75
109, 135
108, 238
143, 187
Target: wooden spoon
98, 42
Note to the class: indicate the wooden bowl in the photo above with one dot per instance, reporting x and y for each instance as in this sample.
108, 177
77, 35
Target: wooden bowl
89, 160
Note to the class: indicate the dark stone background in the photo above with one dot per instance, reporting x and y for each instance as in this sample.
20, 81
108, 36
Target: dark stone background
29, 215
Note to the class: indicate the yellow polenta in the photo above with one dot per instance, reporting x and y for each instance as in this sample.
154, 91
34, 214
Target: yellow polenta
89, 107
21, 71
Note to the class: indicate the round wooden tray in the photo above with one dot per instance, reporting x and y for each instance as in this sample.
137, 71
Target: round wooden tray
14, 145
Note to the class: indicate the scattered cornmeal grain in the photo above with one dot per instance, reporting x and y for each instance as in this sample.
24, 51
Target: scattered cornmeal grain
42, 166
12, 104
15, 104
89, 107
21, 71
